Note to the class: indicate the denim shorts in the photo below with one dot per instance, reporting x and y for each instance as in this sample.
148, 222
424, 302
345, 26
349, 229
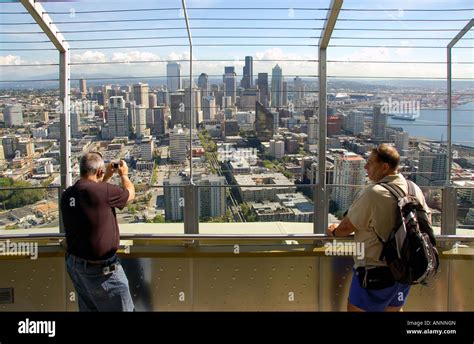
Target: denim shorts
377, 300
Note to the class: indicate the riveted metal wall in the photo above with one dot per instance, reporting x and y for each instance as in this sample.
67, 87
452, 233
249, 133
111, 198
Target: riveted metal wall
228, 284
264, 284
38, 284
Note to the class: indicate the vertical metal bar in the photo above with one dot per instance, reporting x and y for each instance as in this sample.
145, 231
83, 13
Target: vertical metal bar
449, 129
191, 201
65, 118
320, 222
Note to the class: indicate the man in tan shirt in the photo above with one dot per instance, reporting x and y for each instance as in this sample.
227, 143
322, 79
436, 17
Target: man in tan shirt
372, 216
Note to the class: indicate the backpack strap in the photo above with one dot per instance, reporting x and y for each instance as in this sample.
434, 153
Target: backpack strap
411, 188
395, 190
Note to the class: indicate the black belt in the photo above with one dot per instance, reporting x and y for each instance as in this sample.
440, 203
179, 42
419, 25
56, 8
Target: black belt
95, 263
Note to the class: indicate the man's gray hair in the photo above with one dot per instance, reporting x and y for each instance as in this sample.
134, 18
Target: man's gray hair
90, 164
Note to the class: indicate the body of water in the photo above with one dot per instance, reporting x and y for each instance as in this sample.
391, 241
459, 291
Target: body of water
432, 124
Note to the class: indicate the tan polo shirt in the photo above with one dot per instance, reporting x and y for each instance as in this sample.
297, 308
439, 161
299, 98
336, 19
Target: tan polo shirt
374, 211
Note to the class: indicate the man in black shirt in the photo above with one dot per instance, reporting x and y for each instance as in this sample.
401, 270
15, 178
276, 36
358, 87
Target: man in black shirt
92, 235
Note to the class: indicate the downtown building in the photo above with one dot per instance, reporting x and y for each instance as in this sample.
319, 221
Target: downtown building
348, 170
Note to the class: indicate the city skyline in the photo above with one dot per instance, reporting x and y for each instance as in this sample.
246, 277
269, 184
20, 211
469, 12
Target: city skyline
376, 50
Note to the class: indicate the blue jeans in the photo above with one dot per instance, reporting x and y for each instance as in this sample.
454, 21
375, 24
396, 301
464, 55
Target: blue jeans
100, 290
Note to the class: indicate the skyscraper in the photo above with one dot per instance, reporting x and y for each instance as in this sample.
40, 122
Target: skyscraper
173, 76
13, 115
379, 125
266, 122
177, 107
299, 88
209, 108
83, 87
432, 167
354, 122
212, 198
284, 95
140, 121
312, 130
76, 125
247, 80
348, 170
178, 140
140, 94
203, 84
277, 86
402, 140
117, 117
230, 83
262, 84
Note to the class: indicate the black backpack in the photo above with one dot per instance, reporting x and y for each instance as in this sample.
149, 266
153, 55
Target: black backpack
410, 250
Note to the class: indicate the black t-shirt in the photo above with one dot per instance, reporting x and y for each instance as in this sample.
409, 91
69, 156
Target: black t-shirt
89, 219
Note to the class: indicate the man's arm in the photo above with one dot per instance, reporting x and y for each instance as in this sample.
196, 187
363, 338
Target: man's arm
126, 183
345, 228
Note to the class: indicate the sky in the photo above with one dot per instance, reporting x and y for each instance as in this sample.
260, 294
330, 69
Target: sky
278, 31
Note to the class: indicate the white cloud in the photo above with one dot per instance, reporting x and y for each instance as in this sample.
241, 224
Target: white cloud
10, 60
89, 56
134, 56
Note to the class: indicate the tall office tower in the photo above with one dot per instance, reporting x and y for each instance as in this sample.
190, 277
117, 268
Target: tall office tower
348, 170
140, 120
354, 122
178, 108
106, 89
277, 149
163, 97
212, 198
248, 99
9, 144
197, 111
178, 140
262, 84
83, 87
266, 122
76, 125
247, 80
299, 91
13, 116
159, 114
174, 198
313, 130
277, 87
432, 167
230, 83
146, 148
334, 125
379, 125
152, 100
117, 117
203, 84
173, 76
132, 122
140, 94
402, 140
209, 108
284, 94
